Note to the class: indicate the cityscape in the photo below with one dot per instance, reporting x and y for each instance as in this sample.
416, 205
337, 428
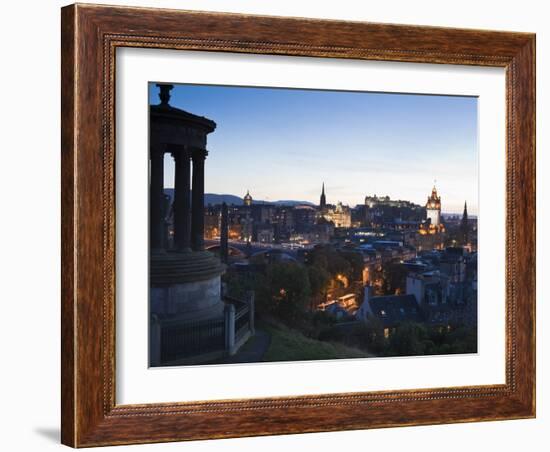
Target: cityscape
236, 278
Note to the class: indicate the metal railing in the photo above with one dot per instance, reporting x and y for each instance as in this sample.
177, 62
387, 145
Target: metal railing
179, 341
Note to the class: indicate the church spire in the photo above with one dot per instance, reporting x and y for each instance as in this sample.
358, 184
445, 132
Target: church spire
464, 227
323, 200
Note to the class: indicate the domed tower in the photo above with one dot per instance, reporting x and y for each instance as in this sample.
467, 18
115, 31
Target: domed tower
247, 200
433, 208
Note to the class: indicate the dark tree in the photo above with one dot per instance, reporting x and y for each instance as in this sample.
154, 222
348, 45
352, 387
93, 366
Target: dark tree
371, 336
408, 339
394, 276
286, 291
331, 260
319, 279
355, 261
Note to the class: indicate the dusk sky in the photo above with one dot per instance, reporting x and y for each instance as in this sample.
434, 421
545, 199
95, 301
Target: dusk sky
284, 143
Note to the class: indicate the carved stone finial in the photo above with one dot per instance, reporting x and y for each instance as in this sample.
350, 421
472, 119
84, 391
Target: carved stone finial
164, 93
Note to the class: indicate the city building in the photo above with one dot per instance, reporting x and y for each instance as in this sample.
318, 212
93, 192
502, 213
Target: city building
339, 215
390, 310
431, 233
433, 208
429, 288
304, 216
264, 233
377, 212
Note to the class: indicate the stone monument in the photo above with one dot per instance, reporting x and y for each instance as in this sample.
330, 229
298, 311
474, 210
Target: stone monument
184, 279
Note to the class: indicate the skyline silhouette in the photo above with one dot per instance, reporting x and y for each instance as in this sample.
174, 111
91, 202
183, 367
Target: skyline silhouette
283, 143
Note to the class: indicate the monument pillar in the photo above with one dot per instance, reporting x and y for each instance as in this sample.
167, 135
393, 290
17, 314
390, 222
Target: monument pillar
182, 201
197, 216
224, 248
156, 200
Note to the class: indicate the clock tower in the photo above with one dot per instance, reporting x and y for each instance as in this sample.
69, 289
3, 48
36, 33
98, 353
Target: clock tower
433, 208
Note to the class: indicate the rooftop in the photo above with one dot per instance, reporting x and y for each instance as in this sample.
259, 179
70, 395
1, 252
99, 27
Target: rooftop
394, 309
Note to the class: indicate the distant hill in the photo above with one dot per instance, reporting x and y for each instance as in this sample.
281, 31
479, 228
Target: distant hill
215, 198
212, 198
290, 202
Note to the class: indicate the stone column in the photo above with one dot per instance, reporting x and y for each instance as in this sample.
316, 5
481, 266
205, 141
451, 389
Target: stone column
224, 249
182, 201
156, 199
197, 218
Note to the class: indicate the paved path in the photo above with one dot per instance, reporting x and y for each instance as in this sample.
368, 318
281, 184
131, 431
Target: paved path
253, 351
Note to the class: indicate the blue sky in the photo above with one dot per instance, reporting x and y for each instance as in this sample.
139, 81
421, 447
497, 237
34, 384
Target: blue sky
284, 143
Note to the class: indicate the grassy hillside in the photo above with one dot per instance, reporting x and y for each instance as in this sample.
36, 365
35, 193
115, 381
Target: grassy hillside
291, 345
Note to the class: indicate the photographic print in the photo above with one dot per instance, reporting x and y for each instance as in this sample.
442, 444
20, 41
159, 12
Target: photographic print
301, 224
292, 208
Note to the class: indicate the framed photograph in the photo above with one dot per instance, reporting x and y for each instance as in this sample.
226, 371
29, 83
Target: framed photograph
282, 225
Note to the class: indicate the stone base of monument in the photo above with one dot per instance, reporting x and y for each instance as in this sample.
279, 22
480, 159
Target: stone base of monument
186, 285
191, 323
190, 301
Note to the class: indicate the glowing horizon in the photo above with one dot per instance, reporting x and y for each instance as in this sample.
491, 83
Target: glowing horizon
282, 144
